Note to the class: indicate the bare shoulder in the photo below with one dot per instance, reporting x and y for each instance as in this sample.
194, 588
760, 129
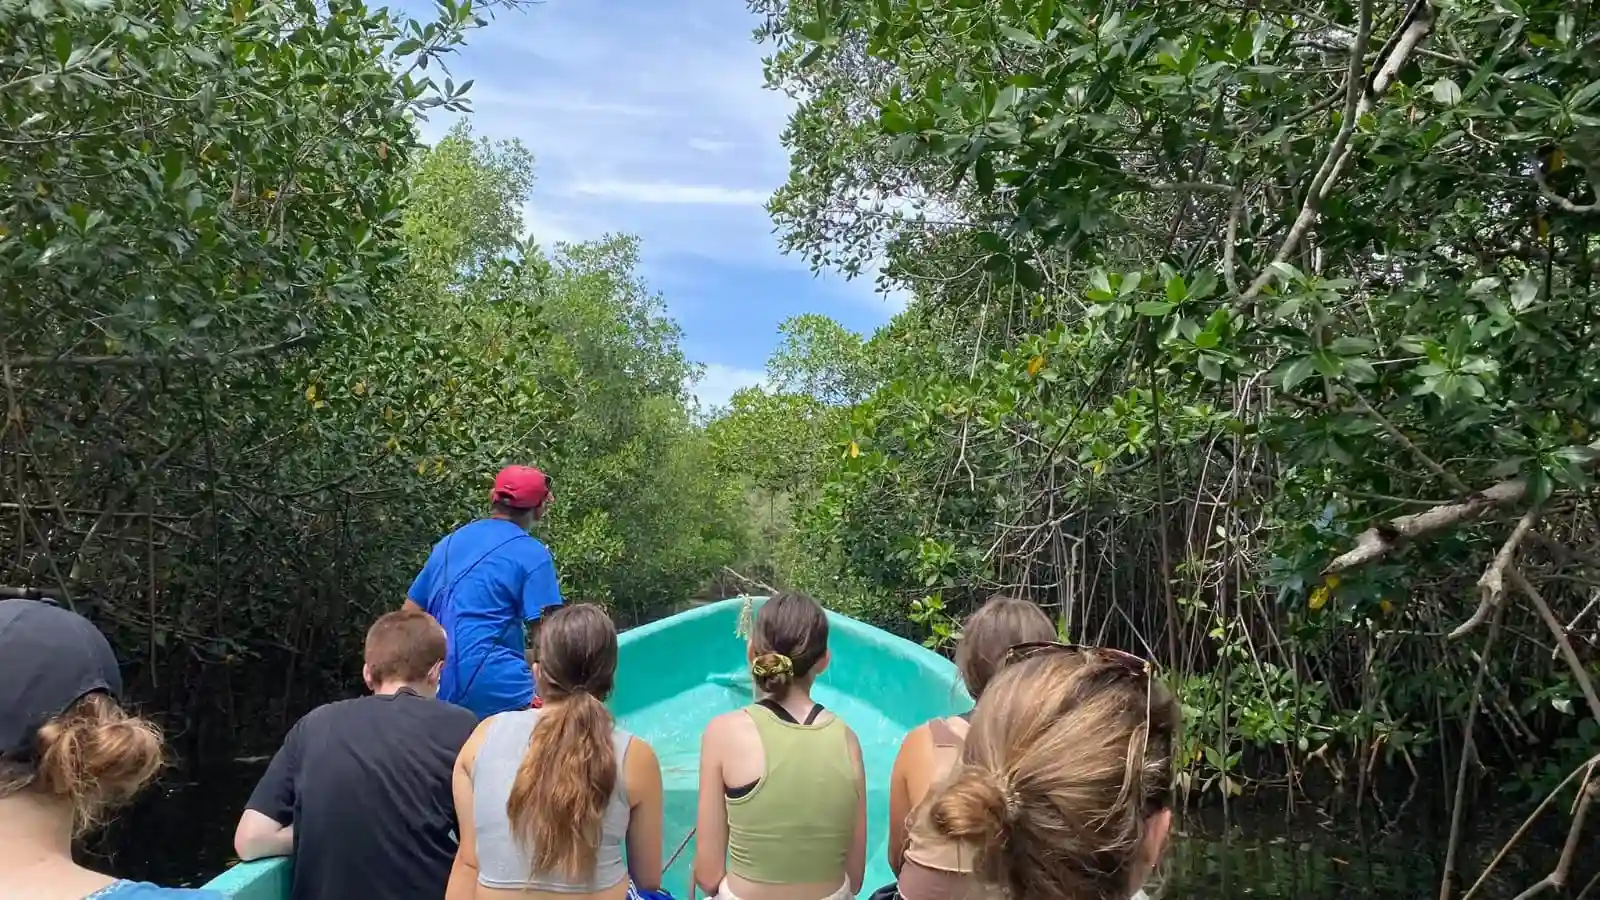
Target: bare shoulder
640, 750
727, 725
469, 750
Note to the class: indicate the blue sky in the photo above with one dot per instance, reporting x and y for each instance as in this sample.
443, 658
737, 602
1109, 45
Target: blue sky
649, 117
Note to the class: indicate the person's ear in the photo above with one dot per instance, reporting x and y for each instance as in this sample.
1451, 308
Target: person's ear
538, 677
1157, 828
434, 674
366, 677
749, 653
822, 664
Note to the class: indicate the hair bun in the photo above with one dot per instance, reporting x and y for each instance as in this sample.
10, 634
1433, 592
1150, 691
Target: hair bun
96, 755
978, 807
772, 672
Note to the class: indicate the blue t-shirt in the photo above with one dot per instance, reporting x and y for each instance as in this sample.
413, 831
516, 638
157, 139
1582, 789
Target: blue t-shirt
143, 890
482, 582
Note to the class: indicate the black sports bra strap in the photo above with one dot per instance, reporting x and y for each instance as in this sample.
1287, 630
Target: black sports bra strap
777, 709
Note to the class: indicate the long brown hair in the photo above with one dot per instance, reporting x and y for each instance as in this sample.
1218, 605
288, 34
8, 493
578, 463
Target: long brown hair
789, 638
996, 627
570, 768
1069, 755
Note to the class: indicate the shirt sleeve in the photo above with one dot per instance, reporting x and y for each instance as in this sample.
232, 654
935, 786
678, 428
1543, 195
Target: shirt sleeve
422, 587
540, 590
275, 792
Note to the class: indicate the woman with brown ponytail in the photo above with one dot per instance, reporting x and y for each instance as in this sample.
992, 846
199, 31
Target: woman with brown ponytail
68, 751
1064, 789
549, 798
783, 798
931, 869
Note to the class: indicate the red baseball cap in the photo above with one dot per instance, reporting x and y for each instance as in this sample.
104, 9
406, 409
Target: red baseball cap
521, 487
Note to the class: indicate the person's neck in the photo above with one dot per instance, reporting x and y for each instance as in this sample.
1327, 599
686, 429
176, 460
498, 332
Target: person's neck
506, 517
35, 833
797, 700
390, 688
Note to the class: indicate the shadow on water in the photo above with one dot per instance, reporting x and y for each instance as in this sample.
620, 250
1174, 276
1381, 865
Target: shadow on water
182, 833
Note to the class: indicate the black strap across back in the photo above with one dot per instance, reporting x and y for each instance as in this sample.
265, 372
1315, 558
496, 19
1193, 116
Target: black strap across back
776, 708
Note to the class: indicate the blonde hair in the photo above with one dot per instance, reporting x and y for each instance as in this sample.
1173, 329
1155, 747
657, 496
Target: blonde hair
1069, 755
94, 756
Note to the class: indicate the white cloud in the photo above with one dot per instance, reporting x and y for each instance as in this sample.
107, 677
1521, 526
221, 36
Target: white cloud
719, 382
669, 193
707, 145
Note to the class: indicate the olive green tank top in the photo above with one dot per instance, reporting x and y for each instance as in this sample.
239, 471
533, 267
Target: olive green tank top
795, 826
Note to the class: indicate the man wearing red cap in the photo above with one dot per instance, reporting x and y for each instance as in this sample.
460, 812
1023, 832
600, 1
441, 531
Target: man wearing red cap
483, 582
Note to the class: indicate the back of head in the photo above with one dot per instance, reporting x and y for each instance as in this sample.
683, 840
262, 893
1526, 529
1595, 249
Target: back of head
1068, 760
996, 627
788, 640
404, 646
63, 735
569, 770
93, 756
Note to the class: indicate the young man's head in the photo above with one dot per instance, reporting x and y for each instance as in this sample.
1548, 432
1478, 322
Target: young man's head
404, 649
520, 494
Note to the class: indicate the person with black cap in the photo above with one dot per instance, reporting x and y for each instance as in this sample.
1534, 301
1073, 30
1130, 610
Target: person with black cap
484, 582
68, 753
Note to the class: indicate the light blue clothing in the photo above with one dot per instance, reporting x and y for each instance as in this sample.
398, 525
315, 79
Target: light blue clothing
482, 582
503, 862
143, 890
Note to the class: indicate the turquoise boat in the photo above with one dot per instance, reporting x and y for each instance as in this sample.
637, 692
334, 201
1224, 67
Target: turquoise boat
675, 674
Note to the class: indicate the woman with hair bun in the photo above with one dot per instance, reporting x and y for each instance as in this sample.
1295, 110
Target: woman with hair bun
68, 753
935, 869
783, 798
1064, 790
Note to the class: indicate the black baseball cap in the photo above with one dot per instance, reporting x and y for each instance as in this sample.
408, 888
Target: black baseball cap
49, 659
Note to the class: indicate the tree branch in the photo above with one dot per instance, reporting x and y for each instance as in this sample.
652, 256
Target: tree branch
1561, 202
1491, 585
1580, 674
1381, 540
1360, 96
140, 361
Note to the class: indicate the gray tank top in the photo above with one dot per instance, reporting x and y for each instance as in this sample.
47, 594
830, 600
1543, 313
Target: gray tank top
501, 861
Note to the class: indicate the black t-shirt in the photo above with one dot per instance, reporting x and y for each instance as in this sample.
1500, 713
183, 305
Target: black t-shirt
366, 784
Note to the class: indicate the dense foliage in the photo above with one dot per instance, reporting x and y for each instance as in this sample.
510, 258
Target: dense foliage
1249, 336
261, 349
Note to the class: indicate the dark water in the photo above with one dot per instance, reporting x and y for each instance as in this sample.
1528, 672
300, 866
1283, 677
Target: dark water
181, 834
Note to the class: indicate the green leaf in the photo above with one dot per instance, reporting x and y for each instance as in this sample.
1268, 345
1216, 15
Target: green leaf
1327, 364
1177, 291
1584, 96
1540, 486
1446, 92
1153, 308
1017, 35
1028, 276
983, 170
1294, 371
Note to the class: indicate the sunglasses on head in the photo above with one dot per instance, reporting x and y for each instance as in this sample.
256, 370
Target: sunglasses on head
1134, 664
